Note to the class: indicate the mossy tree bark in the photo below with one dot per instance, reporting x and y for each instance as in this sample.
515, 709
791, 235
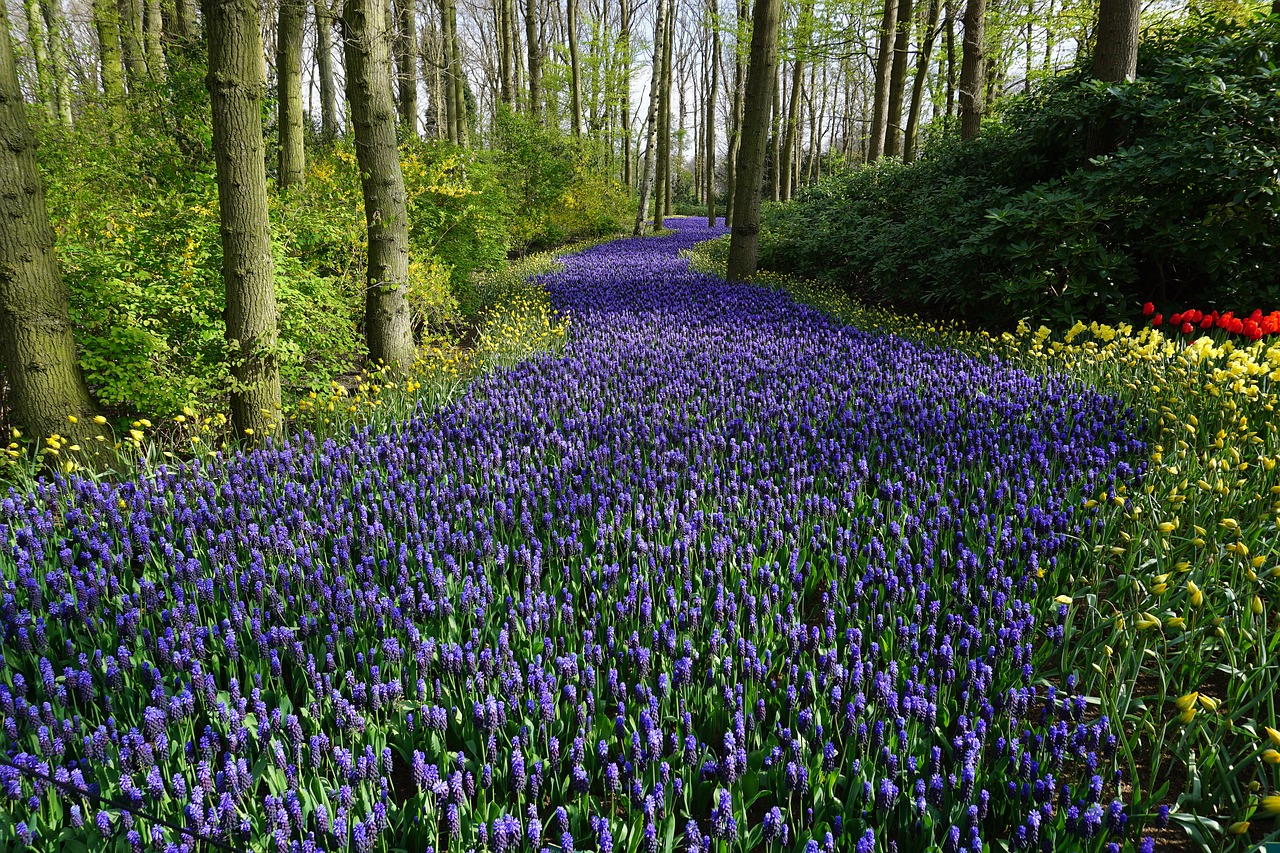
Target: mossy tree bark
235, 88
884, 74
898, 80
153, 34
762, 69
292, 157
37, 347
651, 122
575, 74
55, 24
135, 61
388, 328
330, 123
106, 21
407, 65
38, 42
973, 68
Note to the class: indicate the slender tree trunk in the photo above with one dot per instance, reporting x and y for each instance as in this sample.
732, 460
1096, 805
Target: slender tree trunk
37, 345
292, 156
709, 158
884, 74
330, 125
735, 118
651, 123
575, 73
135, 61
39, 53
972, 68
106, 20
898, 80
387, 321
917, 86
448, 90
407, 66
235, 88
1115, 56
184, 19
664, 149
533, 44
153, 34
458, 76
775, 142
624, 52
949, 5
510, 41
51, 10
789, 135
761, 73
433, 74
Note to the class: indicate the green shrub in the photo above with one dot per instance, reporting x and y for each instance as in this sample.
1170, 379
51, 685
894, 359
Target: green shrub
1182, 209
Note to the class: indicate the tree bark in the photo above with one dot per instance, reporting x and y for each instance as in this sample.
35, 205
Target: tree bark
735, 118
917, 86
37, 346
330, 124
510, 43
534, 45
1115, 56
153, 35
761, 72
575, 74
775, 142
951, 57
135, 62
51, 10
407, 66
898, 80
36, 38
106, 20
884, 73
709, 158
433, 74
789, 135
662, 184
235, 88
291, 156
624, 50
972, 68
388, 328
651, 123
457, 76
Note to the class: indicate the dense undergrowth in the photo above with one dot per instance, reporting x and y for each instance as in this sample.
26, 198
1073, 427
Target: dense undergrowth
1172, 609
1182, 205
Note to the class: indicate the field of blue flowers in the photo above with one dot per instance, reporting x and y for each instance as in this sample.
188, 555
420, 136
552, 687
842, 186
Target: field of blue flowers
725, 575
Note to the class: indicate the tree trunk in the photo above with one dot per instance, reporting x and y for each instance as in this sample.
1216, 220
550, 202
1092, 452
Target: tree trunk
534, 47
292, 157
154, 37
951, 57
662, 167
972, 68
651, 123
37, 346
624, 50
884, 73
135, 61
457, 76
106, 20
510, 42
898, 80
184, 19
735, 119
433, 74
40, 54
917, 86
775, 142
761, 72
709, 158
407, 66
330, 124
789, 135
575, 75
1115, 56
387, 321
51, 10
235, 88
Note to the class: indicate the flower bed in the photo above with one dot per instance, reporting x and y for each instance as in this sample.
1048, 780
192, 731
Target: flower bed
726, 573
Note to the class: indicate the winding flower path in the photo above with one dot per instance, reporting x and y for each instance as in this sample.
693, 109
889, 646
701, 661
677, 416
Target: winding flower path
725, 571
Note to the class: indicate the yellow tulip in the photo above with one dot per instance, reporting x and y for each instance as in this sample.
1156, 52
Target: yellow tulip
1271, 756
1273, 734
1197, 597
1208, 703
1271, 804
1240, 827
1186, 701
1187, 716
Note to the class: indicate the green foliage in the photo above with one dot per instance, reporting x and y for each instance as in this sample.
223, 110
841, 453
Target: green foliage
1182, 207
556, 190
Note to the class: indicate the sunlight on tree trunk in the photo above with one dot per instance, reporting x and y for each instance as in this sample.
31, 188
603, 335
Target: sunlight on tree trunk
884, 73
972, 68
292, 155
651, 123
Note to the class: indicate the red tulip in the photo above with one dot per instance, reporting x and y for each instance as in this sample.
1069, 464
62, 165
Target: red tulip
1187, 328
1175, 320
1148, 309
1157, 320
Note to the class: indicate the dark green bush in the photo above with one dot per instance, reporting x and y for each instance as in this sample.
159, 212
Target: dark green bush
1182, 208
